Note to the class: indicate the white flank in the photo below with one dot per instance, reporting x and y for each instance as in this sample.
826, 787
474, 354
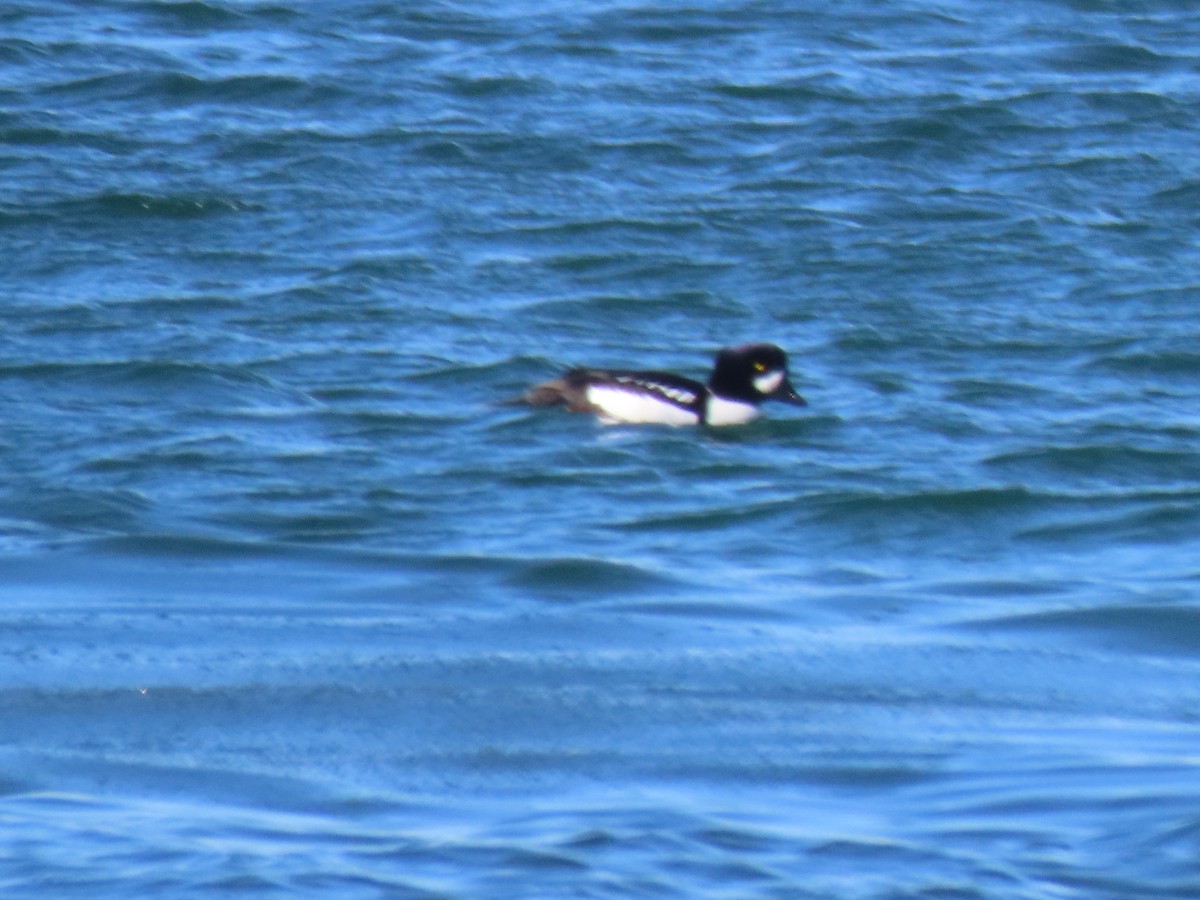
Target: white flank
764, 384
618, 405
730, 412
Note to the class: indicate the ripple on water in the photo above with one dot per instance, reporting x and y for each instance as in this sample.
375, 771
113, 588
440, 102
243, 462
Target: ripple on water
1104, 465
566, 578
1162, 520
113, 205
1148, 628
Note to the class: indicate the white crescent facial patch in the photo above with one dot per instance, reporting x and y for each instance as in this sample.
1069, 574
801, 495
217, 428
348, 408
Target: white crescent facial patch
768, 382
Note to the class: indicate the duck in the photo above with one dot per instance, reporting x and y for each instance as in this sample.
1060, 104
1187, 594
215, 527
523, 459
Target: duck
742, 379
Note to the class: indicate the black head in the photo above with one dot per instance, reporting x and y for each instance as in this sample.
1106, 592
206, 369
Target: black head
754, 373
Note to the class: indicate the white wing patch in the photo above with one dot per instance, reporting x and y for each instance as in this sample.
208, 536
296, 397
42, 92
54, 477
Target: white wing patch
617, 404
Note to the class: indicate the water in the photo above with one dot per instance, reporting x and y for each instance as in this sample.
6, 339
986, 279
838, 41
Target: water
293, 604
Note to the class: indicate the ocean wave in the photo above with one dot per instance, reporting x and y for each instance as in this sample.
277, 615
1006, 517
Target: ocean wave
1110, 464
1144, 628
174, 87
494, 86
1090, 56
977, 503
153, 378
581, 577
1169, 520
721, 517
1164, 363
116, 204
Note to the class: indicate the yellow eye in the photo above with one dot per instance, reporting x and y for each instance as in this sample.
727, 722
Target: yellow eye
760, 367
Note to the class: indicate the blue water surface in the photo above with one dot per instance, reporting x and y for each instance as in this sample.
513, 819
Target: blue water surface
292, 603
